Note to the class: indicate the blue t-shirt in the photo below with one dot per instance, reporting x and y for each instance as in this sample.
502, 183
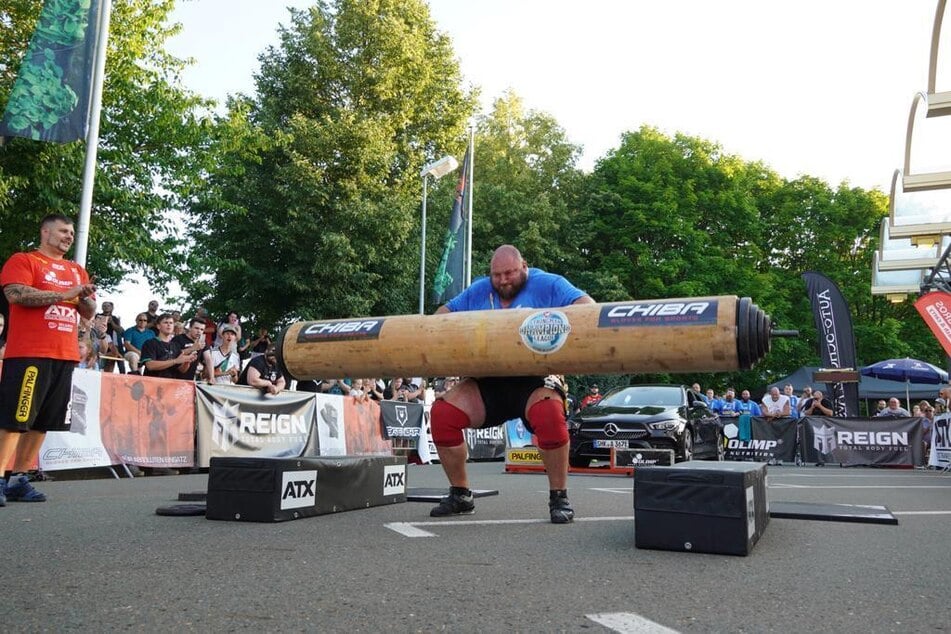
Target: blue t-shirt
138, 337
749, 407
541, 290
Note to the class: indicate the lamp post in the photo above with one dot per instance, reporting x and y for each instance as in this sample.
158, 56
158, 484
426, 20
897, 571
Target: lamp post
437, 170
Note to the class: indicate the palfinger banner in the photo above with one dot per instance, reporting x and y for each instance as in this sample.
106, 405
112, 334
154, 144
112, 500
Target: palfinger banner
862, 441
836, 341
239, 421
81, 447
770, 439
941, 442
148, 422
935, 309
50, 99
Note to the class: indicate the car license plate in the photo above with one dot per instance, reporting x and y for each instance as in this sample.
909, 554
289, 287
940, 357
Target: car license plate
610, 444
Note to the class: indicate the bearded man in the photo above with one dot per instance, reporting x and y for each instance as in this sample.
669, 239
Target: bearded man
490, 401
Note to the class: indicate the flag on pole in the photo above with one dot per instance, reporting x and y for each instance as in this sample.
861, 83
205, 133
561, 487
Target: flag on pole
450, 274
51, 95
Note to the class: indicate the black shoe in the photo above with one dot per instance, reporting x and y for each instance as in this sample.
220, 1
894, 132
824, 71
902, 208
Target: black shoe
561, 511
453, 504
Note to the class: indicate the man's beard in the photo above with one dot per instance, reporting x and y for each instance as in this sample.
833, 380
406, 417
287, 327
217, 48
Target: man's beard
512, 290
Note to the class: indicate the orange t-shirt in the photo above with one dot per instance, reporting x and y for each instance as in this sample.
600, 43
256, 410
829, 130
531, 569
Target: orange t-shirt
49, 332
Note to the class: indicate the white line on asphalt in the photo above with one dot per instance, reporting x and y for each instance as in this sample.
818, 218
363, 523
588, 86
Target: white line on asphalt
861, 486
408, 530
629, 623
411, 529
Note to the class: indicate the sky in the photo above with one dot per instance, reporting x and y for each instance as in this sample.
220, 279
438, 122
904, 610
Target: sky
815, 87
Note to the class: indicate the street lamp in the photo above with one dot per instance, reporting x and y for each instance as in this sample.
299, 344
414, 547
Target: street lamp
437, 170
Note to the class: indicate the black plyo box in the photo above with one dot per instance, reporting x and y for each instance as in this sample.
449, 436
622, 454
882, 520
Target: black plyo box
280, 489
706, 507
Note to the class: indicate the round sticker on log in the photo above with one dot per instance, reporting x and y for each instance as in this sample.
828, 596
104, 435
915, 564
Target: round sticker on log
545, 332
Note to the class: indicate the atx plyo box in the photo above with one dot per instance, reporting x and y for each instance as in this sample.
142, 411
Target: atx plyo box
706, 507
280, 489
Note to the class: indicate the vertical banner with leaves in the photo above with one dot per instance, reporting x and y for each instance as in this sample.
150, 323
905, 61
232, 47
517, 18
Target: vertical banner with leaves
51, 94
449, 281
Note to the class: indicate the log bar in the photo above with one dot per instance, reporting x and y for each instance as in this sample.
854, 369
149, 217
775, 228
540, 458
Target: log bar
698, 334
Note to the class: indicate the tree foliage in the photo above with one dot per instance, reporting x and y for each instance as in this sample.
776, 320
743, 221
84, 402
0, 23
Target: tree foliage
153, 150
320, 218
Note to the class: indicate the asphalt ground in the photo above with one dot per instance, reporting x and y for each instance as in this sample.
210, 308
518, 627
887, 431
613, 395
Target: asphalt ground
96, 557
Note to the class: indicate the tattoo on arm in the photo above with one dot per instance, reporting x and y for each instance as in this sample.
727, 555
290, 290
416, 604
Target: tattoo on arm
28, 296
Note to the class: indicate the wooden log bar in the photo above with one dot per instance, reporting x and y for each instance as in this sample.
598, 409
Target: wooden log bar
705, 334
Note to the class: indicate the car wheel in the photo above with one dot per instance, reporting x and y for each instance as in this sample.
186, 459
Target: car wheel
579, 462
686, 445
721, 447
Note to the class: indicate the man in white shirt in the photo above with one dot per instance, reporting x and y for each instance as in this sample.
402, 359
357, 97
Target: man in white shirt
775, 405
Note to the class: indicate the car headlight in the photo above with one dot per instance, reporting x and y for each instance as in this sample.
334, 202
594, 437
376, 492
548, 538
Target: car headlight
574, 425
667, 425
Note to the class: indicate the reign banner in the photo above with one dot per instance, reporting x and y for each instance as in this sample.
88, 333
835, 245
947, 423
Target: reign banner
237, 421
836, 341
862, 441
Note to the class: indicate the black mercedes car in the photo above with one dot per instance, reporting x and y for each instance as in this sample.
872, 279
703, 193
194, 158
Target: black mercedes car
646, 417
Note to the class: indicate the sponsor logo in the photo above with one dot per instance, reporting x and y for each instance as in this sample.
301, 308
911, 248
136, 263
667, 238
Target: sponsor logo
487, 433
824, 441
27, 389
402, 415
73, 454
871, 439
230, 426
264, 423
545, 332
298, 489
532, 456
644, 458
225, 424
658, 314
394, 479
346, 330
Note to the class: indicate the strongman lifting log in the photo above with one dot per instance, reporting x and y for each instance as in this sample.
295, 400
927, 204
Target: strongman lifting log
700, 334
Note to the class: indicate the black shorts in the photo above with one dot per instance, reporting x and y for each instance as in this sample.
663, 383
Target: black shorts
505, 397
34, 394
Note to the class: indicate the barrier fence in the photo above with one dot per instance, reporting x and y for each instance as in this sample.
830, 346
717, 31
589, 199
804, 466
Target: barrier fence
148, 422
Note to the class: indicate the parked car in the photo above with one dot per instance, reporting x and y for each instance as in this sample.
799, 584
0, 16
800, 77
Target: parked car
646, 417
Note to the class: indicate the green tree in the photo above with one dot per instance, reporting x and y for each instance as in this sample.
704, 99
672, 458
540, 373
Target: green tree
320, 218
525, 186
153, 150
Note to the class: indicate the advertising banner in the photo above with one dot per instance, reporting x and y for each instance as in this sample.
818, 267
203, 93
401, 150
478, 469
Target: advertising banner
330, 423
836, 341
401, 420
517, 434
362, 427
80, 447
770, 439
487, 443
148, 422
935, 309
239, 421
862, 441
941, 442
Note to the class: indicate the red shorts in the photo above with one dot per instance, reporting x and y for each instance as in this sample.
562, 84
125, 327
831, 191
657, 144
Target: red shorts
34, 394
